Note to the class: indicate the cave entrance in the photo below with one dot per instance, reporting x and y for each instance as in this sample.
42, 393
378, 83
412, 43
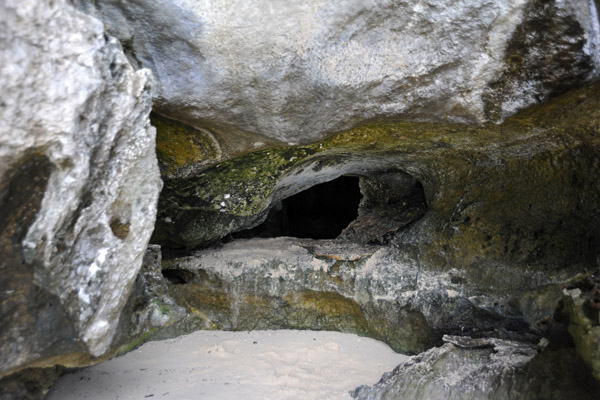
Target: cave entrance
322, 211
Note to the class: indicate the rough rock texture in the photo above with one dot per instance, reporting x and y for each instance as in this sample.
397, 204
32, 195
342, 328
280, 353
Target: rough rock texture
520, 193
371, 290
294, 72
580, 306
78, 184
471, 369
29, 384
149, 306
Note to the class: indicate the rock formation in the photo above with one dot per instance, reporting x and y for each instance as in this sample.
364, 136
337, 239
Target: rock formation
494, 194
79, 184
580, 307
260, 71
470, 369
400, 169
460, 230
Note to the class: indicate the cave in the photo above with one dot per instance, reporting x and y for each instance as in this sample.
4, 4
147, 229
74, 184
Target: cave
422, 174
322, 211
177, 276
360, 209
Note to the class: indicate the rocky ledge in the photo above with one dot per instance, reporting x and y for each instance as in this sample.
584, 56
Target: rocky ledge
470, 369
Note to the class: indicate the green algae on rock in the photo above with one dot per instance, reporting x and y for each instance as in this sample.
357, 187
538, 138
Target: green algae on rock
181, 148
520, 192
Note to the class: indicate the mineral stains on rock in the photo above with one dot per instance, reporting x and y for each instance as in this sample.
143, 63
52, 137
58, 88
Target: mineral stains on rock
490, 194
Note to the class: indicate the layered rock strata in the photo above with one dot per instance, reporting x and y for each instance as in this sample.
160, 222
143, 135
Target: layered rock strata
288, 283
520, 193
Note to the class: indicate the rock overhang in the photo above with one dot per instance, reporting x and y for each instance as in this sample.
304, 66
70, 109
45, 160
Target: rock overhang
272, 72
481, 184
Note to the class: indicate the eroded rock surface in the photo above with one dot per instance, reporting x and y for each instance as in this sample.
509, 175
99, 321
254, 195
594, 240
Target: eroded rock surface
371, 290
263, 71
149, 309
580, 306
519, 193
79, 184
466, 368
460, 230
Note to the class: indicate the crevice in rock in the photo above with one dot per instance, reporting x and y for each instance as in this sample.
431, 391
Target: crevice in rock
363, 209
178, 276
393, 201
322, 211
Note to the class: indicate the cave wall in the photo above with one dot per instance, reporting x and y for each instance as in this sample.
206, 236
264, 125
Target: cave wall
517, 193
499, 238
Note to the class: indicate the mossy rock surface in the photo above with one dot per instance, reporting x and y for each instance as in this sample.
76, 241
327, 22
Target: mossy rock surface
520, 192
181, 148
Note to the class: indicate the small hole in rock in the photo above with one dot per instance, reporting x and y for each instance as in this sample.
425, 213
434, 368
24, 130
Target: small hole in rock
177, 276
320, 212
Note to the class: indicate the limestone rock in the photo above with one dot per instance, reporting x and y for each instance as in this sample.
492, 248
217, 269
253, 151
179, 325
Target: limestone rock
149, 307
79, 183
492, 195
295, 72
372, 290
580, 306
493, 369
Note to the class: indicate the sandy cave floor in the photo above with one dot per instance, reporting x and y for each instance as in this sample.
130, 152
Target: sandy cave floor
253, 365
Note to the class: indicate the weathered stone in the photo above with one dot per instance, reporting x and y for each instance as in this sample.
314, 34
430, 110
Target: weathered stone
580, 306
262, 70
547, 44
149, 306
494, 194
485, 369
371, 290
29, 384
78, 184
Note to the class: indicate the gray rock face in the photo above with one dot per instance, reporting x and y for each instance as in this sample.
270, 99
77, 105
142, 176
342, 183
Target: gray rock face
371, 290
445, 373
295, 72
79, 183
149, 306
581, 307
470, 369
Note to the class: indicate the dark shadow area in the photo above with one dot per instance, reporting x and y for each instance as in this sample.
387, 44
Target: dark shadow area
320, 212
393, 201
177, 276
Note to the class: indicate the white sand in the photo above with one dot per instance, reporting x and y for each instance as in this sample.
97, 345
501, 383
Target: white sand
253, 365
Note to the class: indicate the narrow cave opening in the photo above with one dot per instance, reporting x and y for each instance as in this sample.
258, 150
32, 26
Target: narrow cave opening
322, 211
177, 276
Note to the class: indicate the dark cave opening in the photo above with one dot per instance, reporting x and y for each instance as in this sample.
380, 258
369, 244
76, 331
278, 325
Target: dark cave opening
177, 276
322, 211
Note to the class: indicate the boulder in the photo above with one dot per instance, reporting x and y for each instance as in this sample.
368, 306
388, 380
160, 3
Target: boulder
580, 307
260, 72
79, 184
472, 369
